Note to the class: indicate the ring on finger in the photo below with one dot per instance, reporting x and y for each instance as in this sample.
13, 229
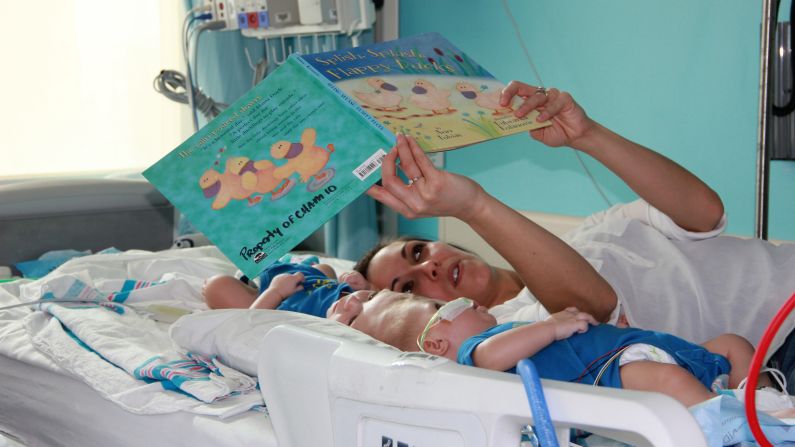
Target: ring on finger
541, 90
415, 179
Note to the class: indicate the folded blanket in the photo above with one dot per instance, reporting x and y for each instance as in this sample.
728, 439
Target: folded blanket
128, 357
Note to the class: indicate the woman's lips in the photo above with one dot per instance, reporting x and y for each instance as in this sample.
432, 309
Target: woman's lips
455, 274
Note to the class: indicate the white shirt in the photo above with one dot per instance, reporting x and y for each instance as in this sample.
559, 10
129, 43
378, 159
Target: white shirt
693, 285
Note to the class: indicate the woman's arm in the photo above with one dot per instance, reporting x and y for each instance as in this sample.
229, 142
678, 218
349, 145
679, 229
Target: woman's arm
503, 351
663, 183
556, 274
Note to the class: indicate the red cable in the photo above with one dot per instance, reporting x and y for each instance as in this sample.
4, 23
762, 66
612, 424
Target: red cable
756, 365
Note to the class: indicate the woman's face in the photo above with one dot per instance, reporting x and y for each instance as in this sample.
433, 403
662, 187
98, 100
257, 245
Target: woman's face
432, 269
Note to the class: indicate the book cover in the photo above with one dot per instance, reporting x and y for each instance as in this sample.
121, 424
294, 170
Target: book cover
272, 168
425, 87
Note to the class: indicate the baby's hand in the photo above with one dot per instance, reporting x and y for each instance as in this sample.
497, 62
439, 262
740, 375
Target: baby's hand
571, 321
356, 280
287, 284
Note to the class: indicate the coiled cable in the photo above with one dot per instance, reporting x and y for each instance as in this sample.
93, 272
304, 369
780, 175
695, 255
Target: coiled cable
173, 85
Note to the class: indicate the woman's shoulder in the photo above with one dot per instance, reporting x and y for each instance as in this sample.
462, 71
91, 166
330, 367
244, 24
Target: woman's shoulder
616, 219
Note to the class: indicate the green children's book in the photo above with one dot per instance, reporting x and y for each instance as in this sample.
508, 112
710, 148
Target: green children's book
309, 139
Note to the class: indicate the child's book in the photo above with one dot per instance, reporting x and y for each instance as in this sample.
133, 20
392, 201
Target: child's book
309, 139
425, 87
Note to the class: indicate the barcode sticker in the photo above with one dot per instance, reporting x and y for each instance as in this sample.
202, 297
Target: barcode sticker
371, 164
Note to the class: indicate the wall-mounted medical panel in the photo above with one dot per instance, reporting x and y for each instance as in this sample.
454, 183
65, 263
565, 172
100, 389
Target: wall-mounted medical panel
264, 19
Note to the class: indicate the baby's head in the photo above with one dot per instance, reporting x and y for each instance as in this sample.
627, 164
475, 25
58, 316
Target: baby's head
390, 317
399, 319
451, 324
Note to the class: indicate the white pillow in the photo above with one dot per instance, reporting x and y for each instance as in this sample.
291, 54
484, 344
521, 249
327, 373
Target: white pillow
235, 335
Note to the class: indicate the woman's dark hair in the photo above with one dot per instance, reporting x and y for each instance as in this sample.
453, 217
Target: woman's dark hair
364, 262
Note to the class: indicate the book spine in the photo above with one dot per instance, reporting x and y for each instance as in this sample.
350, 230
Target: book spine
343, 97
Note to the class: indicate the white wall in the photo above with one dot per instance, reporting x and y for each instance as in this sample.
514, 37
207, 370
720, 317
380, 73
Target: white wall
77, 86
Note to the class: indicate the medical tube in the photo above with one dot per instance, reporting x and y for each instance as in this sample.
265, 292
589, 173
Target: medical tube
543, 427
756, 365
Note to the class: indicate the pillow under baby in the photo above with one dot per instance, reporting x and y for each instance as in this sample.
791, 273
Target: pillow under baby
235, 335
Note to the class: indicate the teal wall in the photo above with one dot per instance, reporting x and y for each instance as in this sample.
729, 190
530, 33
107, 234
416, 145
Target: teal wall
678, 76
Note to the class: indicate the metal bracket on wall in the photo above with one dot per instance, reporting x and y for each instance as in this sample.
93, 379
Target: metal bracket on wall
782, 143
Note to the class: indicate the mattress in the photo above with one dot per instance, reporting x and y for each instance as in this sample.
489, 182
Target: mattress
43, 408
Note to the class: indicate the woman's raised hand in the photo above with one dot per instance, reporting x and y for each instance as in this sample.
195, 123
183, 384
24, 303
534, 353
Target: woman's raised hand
569, 120
430, 192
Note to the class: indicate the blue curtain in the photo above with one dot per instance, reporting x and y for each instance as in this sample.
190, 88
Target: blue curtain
223, 72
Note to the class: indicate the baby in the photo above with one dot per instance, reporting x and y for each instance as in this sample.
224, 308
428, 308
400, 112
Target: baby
307, 287
571, 346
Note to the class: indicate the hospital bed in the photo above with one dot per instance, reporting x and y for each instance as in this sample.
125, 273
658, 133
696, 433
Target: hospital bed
323, 384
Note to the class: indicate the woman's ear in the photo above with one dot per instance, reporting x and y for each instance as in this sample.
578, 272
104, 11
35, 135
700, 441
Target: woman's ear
436, 346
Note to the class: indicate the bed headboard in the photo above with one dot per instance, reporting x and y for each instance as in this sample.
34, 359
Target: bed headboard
37, 216
454, 231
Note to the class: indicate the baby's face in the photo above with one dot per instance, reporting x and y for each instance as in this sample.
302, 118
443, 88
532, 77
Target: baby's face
348, 307
385, 314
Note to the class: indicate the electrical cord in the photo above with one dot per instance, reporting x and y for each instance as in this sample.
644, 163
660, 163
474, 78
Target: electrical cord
520, 39
196, 100
186, 26
756, 365
173, 85
182, 88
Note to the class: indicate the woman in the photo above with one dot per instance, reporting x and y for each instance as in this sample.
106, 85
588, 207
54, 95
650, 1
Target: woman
637, 263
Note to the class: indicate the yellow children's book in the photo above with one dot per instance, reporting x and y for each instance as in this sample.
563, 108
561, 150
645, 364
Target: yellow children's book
309, 139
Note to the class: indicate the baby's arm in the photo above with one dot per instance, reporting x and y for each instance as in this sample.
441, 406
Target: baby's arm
281, 287
503, 351
354, 279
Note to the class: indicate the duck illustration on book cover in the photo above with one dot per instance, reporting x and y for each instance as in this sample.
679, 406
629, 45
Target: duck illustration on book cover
272, 168
425, 87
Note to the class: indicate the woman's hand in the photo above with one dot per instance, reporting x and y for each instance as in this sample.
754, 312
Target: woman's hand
569, 121
430, 192
570, 321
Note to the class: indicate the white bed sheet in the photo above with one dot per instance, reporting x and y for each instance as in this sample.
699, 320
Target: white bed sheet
43, 404
44, 408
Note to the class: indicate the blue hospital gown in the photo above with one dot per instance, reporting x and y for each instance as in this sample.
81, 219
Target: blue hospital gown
319, 293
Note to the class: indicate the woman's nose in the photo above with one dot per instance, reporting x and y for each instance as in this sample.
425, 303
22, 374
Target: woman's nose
430, 268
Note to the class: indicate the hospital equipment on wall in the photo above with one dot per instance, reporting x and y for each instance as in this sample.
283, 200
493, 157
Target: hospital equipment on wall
284, 26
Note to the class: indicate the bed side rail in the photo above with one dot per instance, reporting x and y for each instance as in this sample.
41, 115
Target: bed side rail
327, 391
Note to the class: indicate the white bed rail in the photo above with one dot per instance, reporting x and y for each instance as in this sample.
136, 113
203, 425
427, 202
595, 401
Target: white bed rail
328, 391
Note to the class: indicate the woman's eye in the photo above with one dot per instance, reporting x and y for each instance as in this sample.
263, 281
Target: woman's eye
407, 287
416, 251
